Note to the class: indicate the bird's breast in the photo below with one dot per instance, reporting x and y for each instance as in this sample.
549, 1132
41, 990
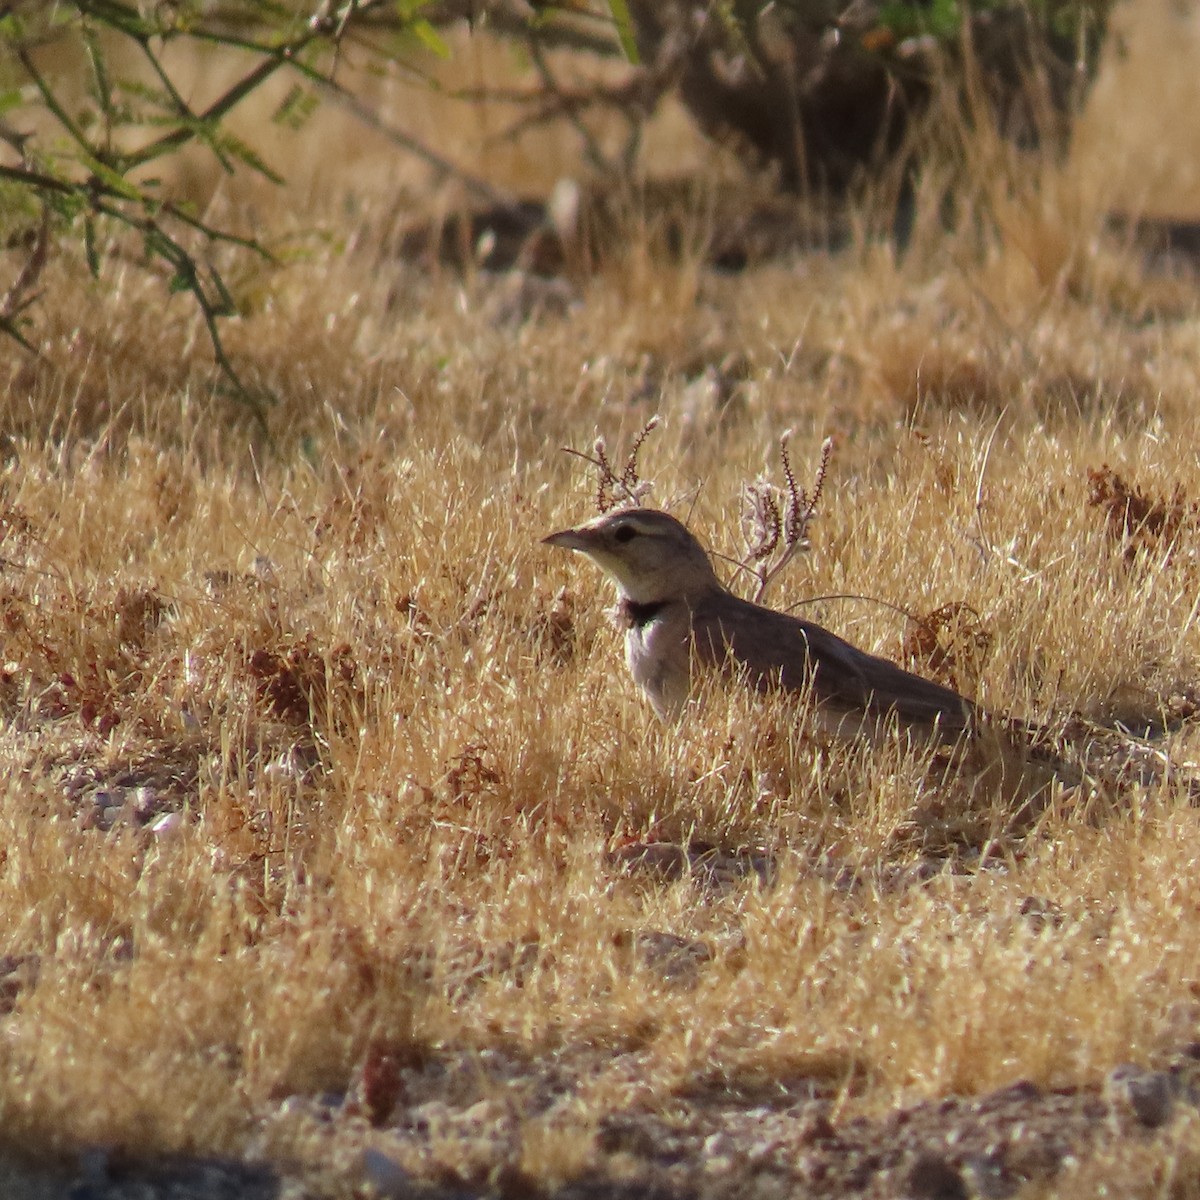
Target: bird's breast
658, 657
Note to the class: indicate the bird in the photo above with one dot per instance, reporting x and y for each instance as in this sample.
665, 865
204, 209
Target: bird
680, 622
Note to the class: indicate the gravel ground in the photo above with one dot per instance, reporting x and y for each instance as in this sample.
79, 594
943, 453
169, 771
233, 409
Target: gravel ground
712, 1144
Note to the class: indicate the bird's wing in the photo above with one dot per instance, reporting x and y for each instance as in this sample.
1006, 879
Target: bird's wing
778, 650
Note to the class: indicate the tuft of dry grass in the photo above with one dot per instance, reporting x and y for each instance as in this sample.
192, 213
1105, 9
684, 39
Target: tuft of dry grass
330, 821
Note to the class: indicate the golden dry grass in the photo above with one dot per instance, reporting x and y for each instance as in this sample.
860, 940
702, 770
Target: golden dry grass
405, 749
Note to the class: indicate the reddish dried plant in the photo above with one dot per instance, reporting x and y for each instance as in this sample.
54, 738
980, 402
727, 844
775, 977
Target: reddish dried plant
949, 643
1139, 521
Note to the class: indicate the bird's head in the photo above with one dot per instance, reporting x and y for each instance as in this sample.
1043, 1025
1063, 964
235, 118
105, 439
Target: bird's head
649, 554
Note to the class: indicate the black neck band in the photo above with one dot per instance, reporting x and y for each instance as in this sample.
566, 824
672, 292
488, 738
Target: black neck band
638, 616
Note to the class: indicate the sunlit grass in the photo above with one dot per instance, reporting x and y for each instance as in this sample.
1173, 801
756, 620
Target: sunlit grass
406, 756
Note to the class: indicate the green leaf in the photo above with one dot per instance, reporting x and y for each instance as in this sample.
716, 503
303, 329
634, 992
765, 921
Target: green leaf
67, 205
156, 97
296, 107
625, 32
101, 84
945, 19
236, 148
113, 180
122, 17
429, 37
10, 99
942, 18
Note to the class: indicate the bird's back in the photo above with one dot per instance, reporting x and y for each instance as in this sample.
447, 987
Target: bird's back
776, 650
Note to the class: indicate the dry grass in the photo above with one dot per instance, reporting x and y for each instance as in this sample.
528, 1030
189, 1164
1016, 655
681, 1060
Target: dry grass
405, 751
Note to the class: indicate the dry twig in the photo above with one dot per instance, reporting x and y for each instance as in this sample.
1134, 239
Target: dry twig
775, 520
627, 488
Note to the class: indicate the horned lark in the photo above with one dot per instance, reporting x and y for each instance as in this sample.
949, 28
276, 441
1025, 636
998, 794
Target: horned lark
679, 619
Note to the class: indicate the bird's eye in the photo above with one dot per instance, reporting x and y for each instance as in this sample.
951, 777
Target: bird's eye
626, 533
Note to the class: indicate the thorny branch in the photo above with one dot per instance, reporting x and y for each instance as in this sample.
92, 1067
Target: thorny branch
22, 293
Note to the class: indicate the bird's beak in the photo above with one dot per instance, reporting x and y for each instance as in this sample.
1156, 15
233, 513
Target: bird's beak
569, 539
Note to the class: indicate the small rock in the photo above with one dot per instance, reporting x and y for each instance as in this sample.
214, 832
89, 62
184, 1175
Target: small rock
264, 569
18, 973
93, 1166
675, 959
146, 803
988, 1177
1023, 1091
1041, 914
1148, 1095
816, 1129
933, 1178
385, 1175
167, 825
